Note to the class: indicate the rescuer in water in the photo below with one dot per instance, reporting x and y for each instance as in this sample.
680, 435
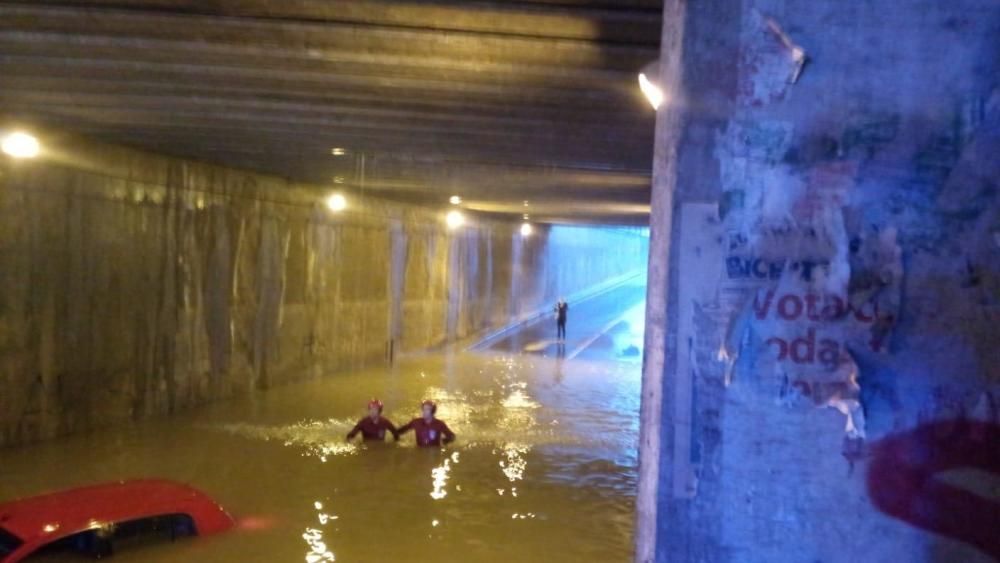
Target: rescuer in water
374, 426
430, 431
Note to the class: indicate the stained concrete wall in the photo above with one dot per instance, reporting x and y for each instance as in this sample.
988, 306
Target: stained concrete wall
823, 355
133, 284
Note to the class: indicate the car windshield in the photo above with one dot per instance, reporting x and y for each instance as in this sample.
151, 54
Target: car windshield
8, 543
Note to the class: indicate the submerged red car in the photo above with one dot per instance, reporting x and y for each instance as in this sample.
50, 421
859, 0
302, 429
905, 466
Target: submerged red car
94, 519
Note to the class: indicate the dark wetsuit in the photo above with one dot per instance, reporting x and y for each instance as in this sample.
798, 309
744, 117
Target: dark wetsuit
373, 429
561, 310
432, 433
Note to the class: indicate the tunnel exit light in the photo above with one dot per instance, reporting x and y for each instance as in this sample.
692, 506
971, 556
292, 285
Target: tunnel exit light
454, 219
20, 145
526, 229
336, 203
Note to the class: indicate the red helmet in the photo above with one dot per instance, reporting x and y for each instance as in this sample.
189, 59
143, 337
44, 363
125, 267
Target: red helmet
376, 404
431, 404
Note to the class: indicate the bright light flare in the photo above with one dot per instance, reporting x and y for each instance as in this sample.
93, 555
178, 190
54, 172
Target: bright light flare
338, 151
653, 92
455, 200
336, 203
526, 229
454, 219
20, 145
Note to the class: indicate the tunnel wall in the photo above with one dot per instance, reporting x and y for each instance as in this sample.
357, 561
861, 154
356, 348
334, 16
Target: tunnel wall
826, 183
133, 284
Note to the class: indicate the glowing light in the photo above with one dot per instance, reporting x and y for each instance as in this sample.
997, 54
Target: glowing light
338, 151
526, 229
435, 523
338, 179
653, 92
454, 219
455, 200
49, 528
20, 145
336, 203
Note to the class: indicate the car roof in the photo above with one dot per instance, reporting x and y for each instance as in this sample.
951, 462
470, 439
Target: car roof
78, 509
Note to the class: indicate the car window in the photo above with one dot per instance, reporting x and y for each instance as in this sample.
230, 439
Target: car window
8, 543
111, 538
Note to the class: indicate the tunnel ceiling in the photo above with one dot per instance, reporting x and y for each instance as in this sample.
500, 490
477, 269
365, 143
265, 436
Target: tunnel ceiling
496, 102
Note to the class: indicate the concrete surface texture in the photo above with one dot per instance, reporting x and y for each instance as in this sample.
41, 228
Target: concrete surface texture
133, 284
826, 182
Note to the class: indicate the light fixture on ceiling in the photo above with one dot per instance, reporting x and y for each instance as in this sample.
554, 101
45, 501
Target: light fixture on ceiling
454, 219
526, 203
338, 151
20, 145
526, 229
338, 179
336, 203
649, 83
455, 200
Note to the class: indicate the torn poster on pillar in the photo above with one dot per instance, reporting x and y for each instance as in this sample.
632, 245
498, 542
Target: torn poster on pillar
803, 291
773, 59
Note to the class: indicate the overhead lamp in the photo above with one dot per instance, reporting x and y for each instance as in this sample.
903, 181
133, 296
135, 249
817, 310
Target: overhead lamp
526, 229
20, 145
455, 200
649, 83
454, 219
336, 203
338, 151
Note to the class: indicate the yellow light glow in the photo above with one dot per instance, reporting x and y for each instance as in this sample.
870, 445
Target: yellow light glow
337, 151
336, 203
653, 92
49, 528
454, 219
526, 229
455, 200
20, 145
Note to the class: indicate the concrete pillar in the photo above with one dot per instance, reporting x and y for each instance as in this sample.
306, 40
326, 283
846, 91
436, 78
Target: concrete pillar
823, 265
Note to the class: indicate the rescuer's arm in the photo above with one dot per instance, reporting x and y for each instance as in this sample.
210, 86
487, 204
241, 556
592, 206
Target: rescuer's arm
392, 428
404, 429
449, 436
354, 431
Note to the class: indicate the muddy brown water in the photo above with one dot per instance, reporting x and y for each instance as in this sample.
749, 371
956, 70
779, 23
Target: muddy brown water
544, 468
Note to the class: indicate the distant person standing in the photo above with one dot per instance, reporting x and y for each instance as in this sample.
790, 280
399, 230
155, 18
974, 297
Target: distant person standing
561, 309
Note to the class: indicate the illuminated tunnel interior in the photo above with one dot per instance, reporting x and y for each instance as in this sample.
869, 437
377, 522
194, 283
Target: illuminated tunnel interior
500, 281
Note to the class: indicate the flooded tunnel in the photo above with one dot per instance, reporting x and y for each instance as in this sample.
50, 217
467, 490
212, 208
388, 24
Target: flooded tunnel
538, 280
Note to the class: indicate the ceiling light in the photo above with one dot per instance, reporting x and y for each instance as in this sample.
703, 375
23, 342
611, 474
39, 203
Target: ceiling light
526, 203
338, 179
338, 151
649, 83
454, 219
336, 203
20, 145
455, 200
526, 229
652, 91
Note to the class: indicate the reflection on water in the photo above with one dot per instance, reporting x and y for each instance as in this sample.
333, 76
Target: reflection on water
318, 550
563, 434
